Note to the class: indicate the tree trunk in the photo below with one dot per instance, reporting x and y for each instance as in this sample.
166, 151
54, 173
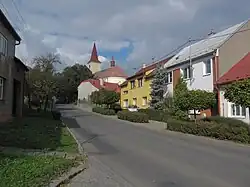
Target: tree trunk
46, 103
195, 115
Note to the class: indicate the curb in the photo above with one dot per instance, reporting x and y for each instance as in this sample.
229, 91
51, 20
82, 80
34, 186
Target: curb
80, 148
68, 176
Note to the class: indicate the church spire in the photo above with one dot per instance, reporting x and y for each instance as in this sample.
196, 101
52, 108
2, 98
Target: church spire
94, 55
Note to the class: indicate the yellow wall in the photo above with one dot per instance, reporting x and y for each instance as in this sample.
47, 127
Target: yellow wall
137, 92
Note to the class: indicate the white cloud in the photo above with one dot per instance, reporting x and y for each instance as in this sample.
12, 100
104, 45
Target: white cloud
152, 27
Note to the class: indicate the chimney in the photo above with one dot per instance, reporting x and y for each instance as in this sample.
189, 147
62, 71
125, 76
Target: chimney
112, 62
211, 32
143, 65
101, 82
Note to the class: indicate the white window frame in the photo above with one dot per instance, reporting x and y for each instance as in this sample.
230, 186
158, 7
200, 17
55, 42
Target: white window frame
135, 101
125, 103
1, 88
132, 85
144, 101
125, 92
3, 45
189, 72
140, 82
169, 77
233, 111
205, 67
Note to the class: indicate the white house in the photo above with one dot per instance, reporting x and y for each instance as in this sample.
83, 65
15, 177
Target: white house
88, 86
202, 63
239, 71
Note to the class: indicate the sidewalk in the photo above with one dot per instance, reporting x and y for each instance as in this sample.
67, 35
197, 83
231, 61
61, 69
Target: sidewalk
152, 125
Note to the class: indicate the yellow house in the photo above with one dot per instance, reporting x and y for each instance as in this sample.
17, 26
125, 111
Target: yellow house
135, 91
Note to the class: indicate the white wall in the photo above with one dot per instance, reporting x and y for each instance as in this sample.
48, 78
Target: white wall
225, 109
85, 89
117, 80
199, 80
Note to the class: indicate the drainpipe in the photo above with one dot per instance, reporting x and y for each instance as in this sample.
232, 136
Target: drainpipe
18, 43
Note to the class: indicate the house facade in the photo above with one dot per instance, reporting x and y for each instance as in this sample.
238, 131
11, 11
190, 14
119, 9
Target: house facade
239, 71
12, 72
202, 64
136, 90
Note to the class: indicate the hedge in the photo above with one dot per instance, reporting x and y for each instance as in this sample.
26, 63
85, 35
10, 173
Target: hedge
216, 127
156, 115
136, 117
104, 111
56, 114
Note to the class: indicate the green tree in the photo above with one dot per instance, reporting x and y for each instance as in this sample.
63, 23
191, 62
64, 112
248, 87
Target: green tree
200, 100
181, 94
238, 92
110, 97
158, 88
42, 83
69, 81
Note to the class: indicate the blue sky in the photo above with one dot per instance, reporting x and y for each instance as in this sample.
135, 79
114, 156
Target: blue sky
133, 31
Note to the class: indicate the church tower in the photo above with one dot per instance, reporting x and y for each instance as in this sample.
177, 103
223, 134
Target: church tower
94, 64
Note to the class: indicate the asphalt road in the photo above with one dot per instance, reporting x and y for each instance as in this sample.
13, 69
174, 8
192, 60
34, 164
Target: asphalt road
122, 154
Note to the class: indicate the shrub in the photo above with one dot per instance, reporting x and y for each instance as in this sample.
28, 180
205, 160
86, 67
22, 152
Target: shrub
56, 114
216, 127
136, 117
156, 115
116, 107
104, 111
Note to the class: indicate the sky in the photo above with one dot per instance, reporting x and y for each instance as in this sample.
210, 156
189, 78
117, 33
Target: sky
133, 31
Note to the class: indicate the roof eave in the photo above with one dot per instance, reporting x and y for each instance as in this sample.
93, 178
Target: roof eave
195, 58
17, 60
8, 25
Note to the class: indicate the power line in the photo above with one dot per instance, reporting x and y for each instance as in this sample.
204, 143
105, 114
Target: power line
18, 11
195, 40
8, 14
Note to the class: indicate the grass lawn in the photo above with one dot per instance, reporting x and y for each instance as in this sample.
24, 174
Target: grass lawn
37, 131
31, 171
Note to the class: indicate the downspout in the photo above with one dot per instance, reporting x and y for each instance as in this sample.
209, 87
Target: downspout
18, 43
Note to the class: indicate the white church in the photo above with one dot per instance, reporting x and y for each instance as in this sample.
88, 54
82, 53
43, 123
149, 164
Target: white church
109, 78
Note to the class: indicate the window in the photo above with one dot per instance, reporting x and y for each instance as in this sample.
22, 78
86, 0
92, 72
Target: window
134, 101
1, 88
132, 84
238, 111
125, 103
139, 83
125, 92
169, 77
207, 67
3, 45
144, 101
186, 73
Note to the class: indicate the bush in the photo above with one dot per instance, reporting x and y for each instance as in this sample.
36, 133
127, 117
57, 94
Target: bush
103, 111
156, 115
216, 127
136, 117
116, 107
56, 114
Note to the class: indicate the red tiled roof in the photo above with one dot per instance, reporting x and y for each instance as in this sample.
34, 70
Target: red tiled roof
115, 71
94, 55
239, 71
106, 85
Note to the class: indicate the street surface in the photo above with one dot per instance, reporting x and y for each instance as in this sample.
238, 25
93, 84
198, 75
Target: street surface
125, 155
